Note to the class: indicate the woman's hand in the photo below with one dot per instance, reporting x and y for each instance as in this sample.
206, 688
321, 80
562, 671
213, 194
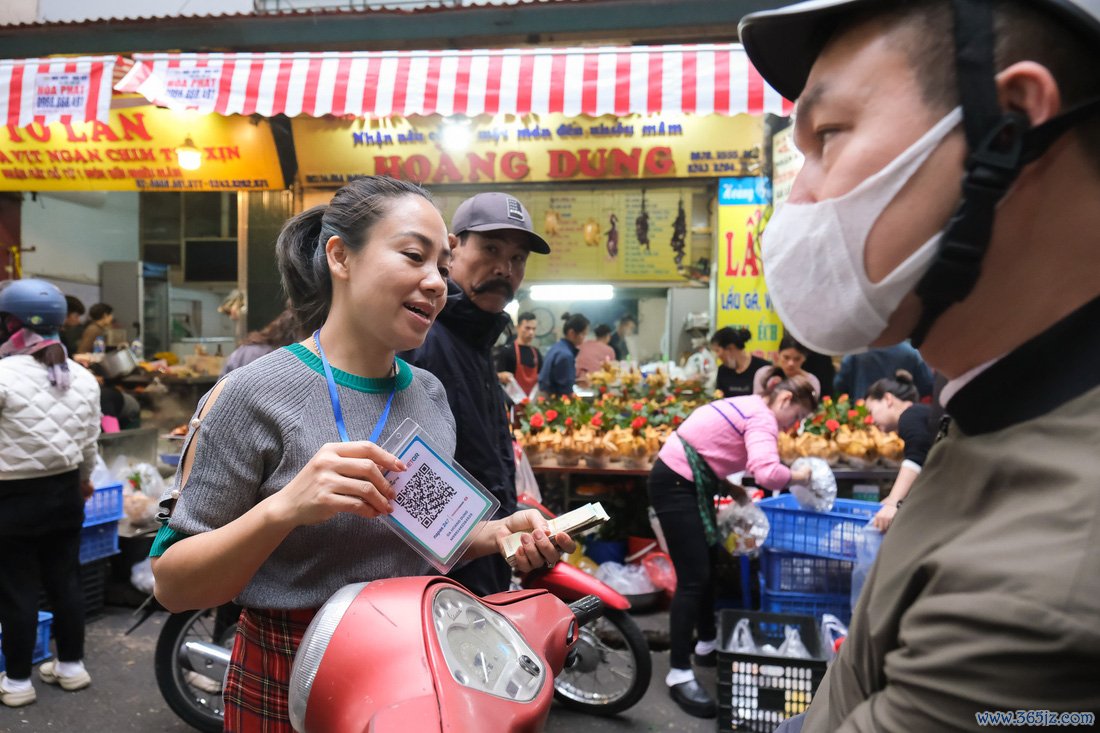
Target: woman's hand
536, 545
884, 517
801, 476
341, 477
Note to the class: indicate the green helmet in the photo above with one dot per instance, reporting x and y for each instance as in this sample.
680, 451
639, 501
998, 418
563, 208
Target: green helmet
783, 45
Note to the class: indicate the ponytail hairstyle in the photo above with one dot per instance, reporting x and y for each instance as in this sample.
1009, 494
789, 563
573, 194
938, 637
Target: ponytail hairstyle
802, 391
901, 386
729, 336
300, 248
574, 322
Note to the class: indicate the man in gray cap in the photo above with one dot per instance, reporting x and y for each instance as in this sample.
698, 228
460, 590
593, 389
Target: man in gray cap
491, 238
952, 169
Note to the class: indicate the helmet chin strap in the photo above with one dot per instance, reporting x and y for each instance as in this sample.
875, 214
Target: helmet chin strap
1001, 143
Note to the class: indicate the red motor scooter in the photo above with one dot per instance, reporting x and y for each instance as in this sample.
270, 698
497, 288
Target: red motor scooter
424, 654
611, 667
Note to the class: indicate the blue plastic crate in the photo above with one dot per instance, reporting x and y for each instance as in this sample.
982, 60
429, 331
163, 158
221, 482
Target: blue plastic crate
98, 541
821, 534
807, 604
789, 572
104, 506
41, 642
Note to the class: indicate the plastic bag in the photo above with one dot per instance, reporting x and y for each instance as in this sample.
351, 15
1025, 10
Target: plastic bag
868, 542
658, 566
833, 632
742, 528
792, 645
629, 580
820, 495
101, 475
741, 641
146, 478
525, 477
141, 576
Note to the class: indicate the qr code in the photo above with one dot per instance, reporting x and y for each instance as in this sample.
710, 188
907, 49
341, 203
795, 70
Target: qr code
425, 495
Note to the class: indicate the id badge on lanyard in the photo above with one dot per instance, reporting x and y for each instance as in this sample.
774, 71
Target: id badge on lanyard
440, 508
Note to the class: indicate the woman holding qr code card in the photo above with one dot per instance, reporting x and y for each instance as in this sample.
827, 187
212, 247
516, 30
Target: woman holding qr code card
276, 507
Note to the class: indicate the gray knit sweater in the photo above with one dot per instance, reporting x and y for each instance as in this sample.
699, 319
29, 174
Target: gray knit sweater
270, 418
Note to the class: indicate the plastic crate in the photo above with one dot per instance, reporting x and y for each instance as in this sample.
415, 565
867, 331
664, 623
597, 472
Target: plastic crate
808, 604
757, 692
98, 541
41, 642
104, 506
821, 534
788, 572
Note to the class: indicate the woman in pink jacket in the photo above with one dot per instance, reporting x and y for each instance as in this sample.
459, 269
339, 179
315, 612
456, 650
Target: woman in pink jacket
716, 440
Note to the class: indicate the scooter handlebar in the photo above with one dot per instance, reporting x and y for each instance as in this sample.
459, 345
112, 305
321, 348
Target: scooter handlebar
586, 609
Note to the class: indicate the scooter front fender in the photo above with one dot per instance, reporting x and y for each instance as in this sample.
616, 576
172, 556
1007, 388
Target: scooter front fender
414, 714
570, 583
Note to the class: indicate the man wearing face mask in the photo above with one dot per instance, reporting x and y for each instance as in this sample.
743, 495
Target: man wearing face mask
491, 238
949, 196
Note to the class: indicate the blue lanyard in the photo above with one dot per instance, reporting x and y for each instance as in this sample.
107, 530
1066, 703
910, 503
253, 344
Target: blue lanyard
334, 397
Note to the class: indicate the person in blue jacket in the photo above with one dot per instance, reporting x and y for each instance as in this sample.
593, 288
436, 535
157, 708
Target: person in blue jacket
559, 369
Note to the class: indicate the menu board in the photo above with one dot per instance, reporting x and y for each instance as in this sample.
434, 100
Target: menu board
606, 235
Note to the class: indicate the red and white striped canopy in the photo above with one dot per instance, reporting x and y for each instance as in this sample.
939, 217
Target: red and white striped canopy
58, 89
697, 79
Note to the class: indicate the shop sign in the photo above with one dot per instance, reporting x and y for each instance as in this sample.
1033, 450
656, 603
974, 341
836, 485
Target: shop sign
135, 150
546, 148
607, 235
743, 301
786, 163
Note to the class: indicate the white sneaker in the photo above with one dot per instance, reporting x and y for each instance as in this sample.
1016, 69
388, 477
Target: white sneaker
16, 699
71, 683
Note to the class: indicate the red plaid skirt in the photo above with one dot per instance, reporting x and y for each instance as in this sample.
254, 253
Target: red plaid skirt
259, 670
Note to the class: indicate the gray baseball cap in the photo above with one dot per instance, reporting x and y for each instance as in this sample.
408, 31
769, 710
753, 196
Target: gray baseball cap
489, 212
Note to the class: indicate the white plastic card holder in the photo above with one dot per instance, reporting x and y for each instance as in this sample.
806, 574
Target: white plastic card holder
439, 506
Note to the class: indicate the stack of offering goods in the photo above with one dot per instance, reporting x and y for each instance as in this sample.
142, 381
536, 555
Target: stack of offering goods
843, 433
623, 426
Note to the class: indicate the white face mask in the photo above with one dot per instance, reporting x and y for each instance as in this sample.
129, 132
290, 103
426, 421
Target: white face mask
813, 257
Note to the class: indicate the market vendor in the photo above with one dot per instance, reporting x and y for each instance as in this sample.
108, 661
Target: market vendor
738, 366
521, 360
559, 371
718, 439
791, 358
893, 406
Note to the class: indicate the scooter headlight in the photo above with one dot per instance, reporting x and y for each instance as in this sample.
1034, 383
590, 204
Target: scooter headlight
312, 649
483, 650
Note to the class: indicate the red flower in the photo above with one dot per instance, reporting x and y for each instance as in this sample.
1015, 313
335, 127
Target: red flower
853, 414
597, 421
868, 420
551, 415
818, 419
638, 423
676, 419
542, 400
537, 421
832, 425
637, 407
843, 398
603, 389
568, 422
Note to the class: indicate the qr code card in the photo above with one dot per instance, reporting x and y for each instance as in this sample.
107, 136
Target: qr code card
438, 506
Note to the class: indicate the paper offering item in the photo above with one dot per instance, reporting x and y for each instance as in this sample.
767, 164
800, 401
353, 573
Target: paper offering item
439, 506
572, 523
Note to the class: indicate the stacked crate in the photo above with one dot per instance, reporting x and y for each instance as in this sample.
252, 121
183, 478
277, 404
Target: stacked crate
806, 562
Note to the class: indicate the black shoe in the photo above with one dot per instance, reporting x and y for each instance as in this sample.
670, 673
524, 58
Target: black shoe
693, 699
706, 660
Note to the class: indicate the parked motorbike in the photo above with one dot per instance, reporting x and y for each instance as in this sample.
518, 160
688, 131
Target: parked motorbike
434, 657
609, 672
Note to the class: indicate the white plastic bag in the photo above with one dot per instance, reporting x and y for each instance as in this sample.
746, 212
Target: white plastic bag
820, 494
741, 641
833, 630
868, 542
101, 475
792, 645
631, 580
525, 477
146, 478
141, 576
742, 527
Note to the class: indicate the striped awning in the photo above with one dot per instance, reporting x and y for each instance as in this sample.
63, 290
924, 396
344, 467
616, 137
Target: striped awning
695, 79
57, 89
